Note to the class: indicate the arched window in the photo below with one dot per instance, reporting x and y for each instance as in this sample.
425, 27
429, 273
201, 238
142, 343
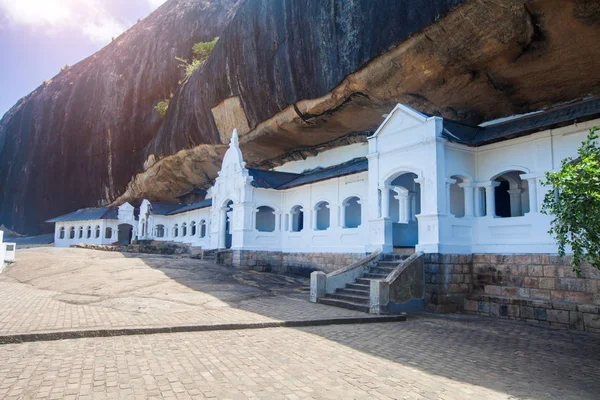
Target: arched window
108, 232
80, 232
97, 231
202, 228
143, 228
61, 232
457, 197
265, 219
72, 233
193, 228
352, 212
184, 229
160, 231
322, 216
176, 231
297, 219
89, 232
511, 195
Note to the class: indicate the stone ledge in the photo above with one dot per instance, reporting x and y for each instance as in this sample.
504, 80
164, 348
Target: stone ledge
94, 333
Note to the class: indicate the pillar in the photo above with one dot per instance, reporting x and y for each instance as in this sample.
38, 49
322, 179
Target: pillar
469, 198
385, 202
516, 209
277, 222
490, 198
449, 182
342, 221
533, 197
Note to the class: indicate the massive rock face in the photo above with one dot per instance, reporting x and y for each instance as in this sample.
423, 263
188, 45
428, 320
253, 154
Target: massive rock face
79, 139
292, 77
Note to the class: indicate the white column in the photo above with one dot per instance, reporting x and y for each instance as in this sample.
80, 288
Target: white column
449, 182
342, 221
490, 198
385, 202
314, 219
468, 193
515, 202
413, 206
532, 181
277, 222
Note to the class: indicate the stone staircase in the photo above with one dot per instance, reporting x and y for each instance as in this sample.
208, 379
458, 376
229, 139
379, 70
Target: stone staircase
356, 295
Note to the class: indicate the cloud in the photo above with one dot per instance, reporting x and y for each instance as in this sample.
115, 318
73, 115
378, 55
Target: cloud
88, 17
154, 4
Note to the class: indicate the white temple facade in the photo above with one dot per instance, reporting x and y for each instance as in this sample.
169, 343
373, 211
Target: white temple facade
420, 182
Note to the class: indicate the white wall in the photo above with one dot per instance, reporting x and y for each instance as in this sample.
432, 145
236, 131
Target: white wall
534, 155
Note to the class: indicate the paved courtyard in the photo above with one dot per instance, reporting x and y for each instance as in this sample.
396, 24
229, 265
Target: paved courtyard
426, 357
61, 289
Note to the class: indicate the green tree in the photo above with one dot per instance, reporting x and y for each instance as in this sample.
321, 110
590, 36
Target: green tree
162, 107
575, 204
203, 49
201, 52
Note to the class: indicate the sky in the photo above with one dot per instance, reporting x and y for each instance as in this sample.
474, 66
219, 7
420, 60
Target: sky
39, 37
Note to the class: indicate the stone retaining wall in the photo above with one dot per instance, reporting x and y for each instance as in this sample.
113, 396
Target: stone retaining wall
448, 281
536, 288
291, 263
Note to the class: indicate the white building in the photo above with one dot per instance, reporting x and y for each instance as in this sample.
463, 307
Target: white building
7, 251
420, 181
104, 225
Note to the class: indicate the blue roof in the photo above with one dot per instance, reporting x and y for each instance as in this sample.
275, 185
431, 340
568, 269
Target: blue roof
88, 214
270, 179
348, 168
165, 208
548, 119
284, 180
191, 207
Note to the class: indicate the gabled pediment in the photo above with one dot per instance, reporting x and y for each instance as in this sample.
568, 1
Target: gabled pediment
400, 118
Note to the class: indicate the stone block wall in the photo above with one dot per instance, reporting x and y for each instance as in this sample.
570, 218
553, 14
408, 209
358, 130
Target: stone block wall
536, 288
448, 281
290, 263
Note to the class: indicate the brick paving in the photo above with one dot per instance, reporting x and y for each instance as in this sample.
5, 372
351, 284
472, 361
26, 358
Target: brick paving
427, 357
424, 358
51, 289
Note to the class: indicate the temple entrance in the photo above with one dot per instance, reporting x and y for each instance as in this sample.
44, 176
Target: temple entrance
125, 234
228, 228
404, 206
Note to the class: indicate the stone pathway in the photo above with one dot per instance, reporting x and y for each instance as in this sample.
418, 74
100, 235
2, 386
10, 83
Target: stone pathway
51, 289
424, 358
427, 357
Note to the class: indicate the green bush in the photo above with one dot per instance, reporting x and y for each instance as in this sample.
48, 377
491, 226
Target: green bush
162, 107
201, 52
575, 204
203, 49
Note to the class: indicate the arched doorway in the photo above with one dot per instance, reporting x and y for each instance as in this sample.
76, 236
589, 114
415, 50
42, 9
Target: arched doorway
227, 230
511, 195
404, 206
125, 234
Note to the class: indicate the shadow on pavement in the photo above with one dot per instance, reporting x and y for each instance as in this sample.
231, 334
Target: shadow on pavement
518, 359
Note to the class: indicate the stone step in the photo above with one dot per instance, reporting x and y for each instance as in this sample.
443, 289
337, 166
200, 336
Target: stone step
359, 286
351, 298
369, 275
364, 291
380, 271
363, 281
392, 264
344, 304
384, 267
395, 257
